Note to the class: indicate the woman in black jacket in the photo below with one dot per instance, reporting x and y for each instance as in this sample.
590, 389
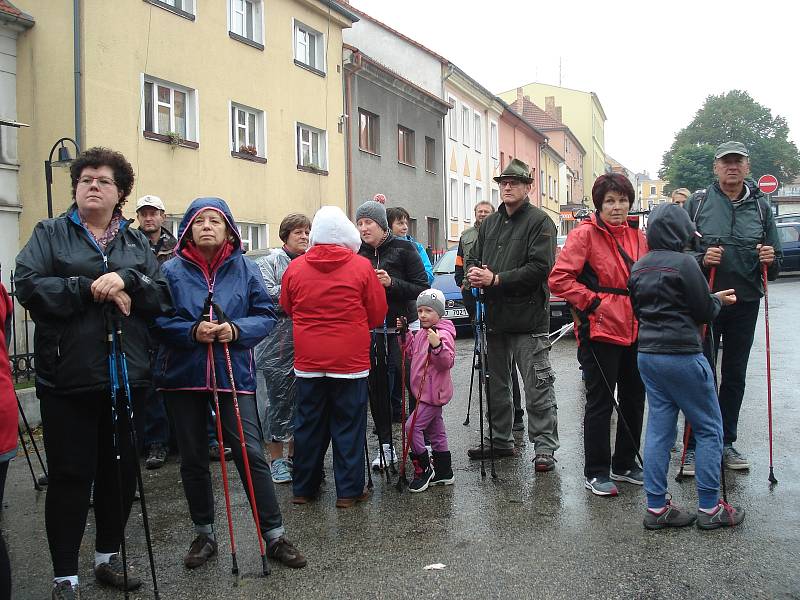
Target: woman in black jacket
400, 271
78, 273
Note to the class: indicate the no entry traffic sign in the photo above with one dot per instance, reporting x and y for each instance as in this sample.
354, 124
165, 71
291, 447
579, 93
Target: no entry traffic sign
768, 183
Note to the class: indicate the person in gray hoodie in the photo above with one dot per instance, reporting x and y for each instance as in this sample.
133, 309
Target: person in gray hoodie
672, 301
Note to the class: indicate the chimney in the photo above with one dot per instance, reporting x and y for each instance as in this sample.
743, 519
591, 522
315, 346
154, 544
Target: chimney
558, 114
519, 93
527, 98
550, 105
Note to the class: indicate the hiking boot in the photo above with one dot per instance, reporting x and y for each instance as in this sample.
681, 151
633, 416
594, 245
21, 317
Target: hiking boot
110, 573
601, 486
284, 551
156, 456
634, 476
213, 453
732, 459
202, 548
350, 502
423, 472
475, 452
281, 470
442, 469
389, 456
544, 462
688, 463
672, 516
66, 591
725, 516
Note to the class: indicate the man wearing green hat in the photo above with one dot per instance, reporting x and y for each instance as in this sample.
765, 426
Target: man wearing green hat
509, 263
739, 239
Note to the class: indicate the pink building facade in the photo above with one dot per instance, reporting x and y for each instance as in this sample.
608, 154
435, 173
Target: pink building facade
519, 139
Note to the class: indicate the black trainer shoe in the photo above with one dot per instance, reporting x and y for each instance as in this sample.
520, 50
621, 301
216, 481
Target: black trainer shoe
213, 453
202, 548
156, 457
66, 591
110, 573
442, 469
673, 516
423, 472
284, 551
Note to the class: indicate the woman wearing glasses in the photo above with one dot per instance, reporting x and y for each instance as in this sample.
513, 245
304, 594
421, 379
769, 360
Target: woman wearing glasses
76, 273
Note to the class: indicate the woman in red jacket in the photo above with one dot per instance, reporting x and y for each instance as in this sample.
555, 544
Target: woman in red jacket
8, 426
591, 273
333, 298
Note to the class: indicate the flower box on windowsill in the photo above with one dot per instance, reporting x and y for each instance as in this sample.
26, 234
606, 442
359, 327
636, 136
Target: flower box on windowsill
310, 169
159, 137
248, 156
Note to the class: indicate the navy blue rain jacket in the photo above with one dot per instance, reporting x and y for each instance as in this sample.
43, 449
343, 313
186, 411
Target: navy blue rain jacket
237, 288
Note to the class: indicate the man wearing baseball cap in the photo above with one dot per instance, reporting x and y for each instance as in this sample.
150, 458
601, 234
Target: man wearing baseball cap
739, 239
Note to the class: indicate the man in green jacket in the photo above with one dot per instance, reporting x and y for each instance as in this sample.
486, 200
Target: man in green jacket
739, 240
509, 263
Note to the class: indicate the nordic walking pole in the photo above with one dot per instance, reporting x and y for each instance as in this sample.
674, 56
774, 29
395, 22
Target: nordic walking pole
223, 467
392, 454
485, 376
772, 479
370, 485
480, 382
114, 381
687, 427
471, 378
36, 485
44, 479
123, 361
248, 473
401, 480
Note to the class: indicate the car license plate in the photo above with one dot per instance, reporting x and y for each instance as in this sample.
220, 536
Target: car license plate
451, 313
557, 313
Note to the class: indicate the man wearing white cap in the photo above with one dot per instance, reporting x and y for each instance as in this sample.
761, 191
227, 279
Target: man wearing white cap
150, 215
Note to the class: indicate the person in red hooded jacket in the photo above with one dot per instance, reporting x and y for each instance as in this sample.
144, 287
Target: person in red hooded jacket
8, 425
334, 300
591, 273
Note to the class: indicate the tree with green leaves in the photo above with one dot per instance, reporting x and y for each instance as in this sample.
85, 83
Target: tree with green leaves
734, 115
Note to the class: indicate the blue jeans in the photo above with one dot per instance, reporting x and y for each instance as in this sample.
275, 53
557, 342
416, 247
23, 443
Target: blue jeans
685, 382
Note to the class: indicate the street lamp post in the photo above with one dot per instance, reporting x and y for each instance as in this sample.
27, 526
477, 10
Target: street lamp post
64, 160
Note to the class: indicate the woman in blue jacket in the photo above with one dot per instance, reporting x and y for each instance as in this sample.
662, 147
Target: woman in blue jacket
209, 265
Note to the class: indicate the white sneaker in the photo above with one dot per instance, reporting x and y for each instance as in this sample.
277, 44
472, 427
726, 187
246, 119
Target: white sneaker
389, 455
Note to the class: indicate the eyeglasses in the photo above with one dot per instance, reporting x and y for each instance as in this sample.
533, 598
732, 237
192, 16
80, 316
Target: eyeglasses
103, 182
509, 183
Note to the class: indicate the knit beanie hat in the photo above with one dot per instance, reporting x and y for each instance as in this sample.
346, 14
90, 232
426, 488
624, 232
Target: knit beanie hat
375, 211
433, 299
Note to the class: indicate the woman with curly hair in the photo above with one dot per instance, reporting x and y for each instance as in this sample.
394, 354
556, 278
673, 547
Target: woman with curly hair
73, 274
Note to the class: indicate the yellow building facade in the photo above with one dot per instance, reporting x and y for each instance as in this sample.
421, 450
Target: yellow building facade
583, 114
240, 99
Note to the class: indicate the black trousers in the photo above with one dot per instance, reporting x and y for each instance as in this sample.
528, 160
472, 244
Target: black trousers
79, 439
380, 386
619, 366
190, 412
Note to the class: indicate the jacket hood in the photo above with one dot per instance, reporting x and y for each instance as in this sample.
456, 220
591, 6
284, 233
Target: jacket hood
331, 226
669, 228
327, 257
200, 204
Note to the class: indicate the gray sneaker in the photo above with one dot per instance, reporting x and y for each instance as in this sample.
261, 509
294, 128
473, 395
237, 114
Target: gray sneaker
65, 591
634, 476
601, 486
725, 516
688, 464
732, 459
673, 516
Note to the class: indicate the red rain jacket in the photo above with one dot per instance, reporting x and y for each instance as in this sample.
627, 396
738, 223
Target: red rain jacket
8, 401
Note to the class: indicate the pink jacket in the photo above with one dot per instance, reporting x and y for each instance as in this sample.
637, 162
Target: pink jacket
434, 365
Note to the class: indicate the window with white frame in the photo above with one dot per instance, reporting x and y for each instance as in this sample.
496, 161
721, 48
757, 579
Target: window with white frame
467, 197
169, 109
311, 147
550, 186
495, 197
493, 139
477, 126
253, 236
452, 118
405, 145
184, 5
246, 19
543, 183
309, 46
478, 195
465, 119
566, 145
430, 155
453, 198
247, 130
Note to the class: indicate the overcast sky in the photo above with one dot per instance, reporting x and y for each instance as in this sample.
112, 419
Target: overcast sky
652, 64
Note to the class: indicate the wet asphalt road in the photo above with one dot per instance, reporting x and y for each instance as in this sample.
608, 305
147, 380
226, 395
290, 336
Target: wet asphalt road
520, 536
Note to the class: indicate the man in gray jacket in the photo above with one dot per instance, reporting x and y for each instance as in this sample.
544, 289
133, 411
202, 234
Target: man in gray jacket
509, 263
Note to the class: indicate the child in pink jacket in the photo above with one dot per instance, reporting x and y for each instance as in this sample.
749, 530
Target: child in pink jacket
432, 352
